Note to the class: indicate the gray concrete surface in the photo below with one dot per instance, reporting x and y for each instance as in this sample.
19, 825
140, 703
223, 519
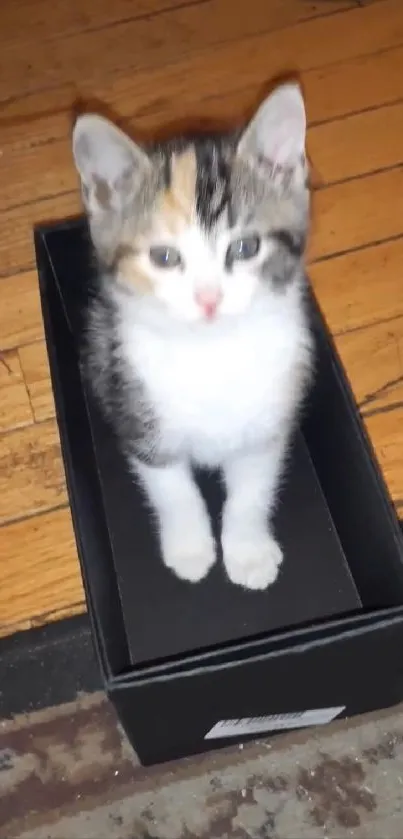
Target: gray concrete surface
68, 773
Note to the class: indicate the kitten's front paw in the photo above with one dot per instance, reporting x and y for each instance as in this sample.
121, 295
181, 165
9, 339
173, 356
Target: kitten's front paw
252, 562
189, 553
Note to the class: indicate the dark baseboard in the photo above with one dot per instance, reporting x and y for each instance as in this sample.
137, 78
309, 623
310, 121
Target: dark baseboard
47, 666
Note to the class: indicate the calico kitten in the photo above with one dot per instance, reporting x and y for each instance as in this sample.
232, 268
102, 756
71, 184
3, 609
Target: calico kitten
198, 344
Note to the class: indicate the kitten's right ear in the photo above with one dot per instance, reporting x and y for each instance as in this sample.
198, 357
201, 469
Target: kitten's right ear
110, 165
277, 131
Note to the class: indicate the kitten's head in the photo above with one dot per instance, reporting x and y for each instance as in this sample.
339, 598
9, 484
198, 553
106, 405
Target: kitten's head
200, 225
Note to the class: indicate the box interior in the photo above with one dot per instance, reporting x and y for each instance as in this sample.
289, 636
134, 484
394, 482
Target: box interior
343, 548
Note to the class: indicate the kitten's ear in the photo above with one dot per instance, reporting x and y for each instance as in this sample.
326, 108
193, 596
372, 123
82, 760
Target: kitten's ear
277, 131
108, 162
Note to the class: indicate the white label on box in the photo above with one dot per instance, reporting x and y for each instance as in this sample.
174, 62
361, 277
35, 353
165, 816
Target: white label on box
275, 722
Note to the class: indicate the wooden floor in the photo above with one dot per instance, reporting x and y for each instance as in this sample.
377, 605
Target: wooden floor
158, 61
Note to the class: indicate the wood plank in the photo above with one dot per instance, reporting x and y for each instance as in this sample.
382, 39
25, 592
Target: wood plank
15, 408
150, 98
135, 44
38, 172
360, 288
373, 359
358, 144
385, 430
31, 471
35, 368
16, 237
169, 90
39, 571
28, 621
389, 397
30, 20
183, 87
353, 214
355, 85
20, 310
356, 54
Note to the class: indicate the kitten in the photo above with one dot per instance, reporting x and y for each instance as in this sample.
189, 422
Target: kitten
198, 344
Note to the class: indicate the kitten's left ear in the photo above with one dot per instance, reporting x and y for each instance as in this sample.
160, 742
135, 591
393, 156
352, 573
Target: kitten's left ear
109, 163
277, 132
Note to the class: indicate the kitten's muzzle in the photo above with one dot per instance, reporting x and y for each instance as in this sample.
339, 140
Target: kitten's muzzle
208, 300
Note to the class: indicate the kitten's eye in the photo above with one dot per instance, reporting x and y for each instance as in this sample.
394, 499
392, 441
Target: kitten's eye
242, 249
165, 257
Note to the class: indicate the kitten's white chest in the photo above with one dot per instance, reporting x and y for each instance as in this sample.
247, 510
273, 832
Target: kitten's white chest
215, 395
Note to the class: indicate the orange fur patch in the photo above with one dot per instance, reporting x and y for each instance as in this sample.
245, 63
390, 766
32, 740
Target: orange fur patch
175, 209
177, 205
131, 273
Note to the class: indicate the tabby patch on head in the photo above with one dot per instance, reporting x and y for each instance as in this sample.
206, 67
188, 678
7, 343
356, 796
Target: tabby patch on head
200, 226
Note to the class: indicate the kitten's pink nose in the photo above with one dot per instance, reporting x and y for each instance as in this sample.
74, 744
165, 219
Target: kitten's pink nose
209, 300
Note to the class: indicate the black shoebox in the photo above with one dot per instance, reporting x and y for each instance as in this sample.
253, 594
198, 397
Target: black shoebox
191, 667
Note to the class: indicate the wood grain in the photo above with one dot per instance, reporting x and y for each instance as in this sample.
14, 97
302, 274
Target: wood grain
66, 18
385, 430
358, 144
373, 357
137, 44
39, 571
35, 369
362, 287
16, 236
356, 84
350, 215
205, 84
20, 310
15, 408
31, 471
210, 72
38, 171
